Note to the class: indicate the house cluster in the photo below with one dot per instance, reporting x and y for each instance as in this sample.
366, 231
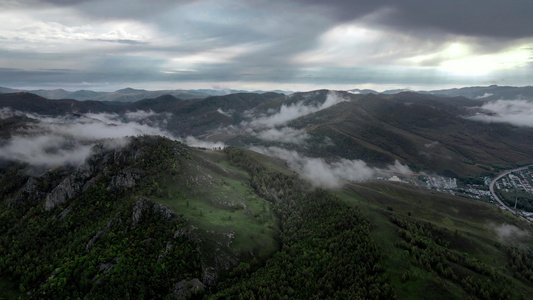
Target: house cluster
519, 180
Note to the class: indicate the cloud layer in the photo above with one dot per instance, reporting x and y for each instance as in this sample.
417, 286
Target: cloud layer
334, 174
298, 44
515, 112
51, 141
291, 112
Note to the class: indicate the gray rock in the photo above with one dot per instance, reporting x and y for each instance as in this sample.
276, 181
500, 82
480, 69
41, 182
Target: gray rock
162, 255
126, 178
140, 207
95, 238
30, 193
210, 277
70, 187
165, 212
105, 267
184, 288
64, 213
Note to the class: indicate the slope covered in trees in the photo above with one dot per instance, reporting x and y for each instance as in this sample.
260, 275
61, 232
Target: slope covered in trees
157, 219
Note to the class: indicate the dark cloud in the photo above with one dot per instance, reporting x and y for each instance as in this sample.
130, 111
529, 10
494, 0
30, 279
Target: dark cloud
494, 18
403, 42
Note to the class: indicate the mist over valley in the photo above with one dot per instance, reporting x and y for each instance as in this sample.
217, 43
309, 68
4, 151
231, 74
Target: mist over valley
229, 149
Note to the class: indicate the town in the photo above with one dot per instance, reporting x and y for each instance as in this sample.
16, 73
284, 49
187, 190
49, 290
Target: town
514, 188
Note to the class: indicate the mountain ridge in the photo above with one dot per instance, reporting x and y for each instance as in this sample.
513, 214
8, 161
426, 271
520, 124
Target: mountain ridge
492, 92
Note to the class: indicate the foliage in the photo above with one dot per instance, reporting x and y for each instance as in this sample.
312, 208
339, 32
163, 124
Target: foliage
521, 263
428, 246
92, 246
327, 251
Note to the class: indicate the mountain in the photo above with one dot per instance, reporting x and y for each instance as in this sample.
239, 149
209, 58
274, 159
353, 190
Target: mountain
154, 218
363, 91
487, 93
28, 102
4, 90
96, 203
129, 95
429, 133
426, 132
396, 91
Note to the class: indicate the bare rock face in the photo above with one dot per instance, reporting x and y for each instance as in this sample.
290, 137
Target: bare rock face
31, 193
97, 236
36, 189
126, 178
210, 277
99, 164
165, 212
144, 204
183, 288
71, 186
67, 189
138, 210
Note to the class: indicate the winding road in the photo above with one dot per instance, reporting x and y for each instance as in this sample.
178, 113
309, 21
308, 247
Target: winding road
491, 187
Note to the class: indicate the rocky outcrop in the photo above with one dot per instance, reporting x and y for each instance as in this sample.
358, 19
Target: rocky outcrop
143, 204
210, 277
126, 178
31, 193
71, 187
138, 210
36, 189
167, 248
102, 163
184, 288
99, 234
163, 211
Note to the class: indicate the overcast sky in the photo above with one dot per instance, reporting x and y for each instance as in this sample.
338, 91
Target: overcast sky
292, 45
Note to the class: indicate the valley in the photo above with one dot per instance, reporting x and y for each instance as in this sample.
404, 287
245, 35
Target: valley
295, 149
320, 194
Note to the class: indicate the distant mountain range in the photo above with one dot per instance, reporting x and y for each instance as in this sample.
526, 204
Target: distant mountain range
430, 133
88, 213
129, 94
492, 92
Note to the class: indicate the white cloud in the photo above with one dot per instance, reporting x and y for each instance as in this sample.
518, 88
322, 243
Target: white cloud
194, 142
286, 135
291, 112
24, 32
508, 233
227, 114
484, 96
53, 141
432, 144
515, 112
334, 174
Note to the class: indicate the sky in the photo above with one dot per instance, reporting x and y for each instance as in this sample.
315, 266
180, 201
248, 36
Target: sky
297, 45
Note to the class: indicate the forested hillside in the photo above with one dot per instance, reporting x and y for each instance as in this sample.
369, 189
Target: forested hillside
89, 213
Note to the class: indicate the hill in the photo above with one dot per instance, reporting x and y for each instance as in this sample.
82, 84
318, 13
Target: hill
129, 95
28, 102
487, 93
155, 218
428, 133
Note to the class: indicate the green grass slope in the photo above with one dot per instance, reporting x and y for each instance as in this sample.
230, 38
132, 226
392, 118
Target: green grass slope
426, 132
437, 246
